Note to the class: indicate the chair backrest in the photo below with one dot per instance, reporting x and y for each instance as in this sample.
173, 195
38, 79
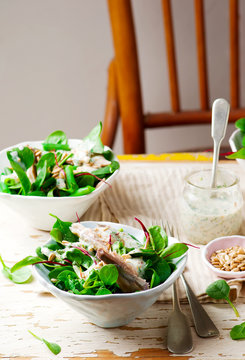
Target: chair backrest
124, 91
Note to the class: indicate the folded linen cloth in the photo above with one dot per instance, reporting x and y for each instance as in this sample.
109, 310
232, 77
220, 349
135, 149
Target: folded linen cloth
151, 192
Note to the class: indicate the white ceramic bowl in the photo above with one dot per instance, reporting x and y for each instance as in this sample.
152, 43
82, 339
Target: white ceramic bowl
36, 209
223, 243
236, 144
117, 309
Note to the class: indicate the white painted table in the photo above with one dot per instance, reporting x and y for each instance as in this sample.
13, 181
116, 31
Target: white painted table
29, 307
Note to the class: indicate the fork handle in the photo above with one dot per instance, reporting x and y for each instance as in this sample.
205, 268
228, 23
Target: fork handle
203, 324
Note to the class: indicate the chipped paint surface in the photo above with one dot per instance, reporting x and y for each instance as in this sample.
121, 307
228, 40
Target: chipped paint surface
30, 307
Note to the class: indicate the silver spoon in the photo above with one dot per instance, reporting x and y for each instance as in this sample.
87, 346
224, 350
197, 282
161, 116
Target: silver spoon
220, 115
179, 339
203, 324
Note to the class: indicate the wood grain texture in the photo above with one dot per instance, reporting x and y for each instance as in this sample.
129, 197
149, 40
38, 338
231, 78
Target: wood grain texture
170, 49
111, 119
186, 118
127, 74
201, 54
30, 307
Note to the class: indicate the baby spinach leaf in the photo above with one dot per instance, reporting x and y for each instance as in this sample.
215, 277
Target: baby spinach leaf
85, 180
78, 258
25, 182
49, 158
158, 237
155, 279
42, 173
162, 269
36, 193
56, 234
53, 274
173, 251
109, 274
19, 276
103, 291
238, 332
64, 227
70, 179
56, 141
106, 170
240, 124
4, 188
93, 141
83, 191
54, 348
220, 290
29, 260
24, 157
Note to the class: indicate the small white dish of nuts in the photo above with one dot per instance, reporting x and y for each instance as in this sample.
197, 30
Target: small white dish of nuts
225, 256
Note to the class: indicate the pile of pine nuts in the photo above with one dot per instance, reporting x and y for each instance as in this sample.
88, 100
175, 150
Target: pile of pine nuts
230, 259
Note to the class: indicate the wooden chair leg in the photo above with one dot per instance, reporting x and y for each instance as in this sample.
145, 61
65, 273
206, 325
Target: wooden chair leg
111, 119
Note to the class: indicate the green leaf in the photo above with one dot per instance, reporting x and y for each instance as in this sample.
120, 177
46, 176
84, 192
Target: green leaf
53, 274
93, 141
238, 332
240, 154
174, 251
24, 157
78, 258
64, 227
49, 158
42, 173
56, 234
220, 290
54, 348
56, 141
25, 182
159, 237
107, 170
83, 191
70, 179
109, 274
155, 279
240, 124
36, 193
162, 269
103, 291
4, 188
19, 276
29, 260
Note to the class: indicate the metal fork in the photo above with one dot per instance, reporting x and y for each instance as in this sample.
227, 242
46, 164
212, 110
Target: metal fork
203, 324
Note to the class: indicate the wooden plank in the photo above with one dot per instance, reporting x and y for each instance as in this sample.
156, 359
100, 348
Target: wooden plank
170, 48
127, 72
201, 54
111, 119
186, 118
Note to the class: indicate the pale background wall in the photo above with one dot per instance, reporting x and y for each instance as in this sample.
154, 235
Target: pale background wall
53, 67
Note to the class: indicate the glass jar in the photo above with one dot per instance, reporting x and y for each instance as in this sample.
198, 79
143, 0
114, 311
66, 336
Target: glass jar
208, 213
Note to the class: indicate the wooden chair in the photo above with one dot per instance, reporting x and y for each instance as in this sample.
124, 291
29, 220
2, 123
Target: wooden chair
124, 99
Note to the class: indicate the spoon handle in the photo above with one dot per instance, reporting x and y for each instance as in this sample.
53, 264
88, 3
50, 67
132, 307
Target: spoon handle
220, 115
203, 324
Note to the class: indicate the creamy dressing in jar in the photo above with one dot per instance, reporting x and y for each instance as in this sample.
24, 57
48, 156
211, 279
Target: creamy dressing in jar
207, 213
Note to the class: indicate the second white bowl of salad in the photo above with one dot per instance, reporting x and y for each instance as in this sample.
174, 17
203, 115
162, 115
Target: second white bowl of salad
57, 176
109, 272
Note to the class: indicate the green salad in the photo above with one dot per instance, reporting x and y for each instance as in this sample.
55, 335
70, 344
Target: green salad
57, 169
103, 260
240, 154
